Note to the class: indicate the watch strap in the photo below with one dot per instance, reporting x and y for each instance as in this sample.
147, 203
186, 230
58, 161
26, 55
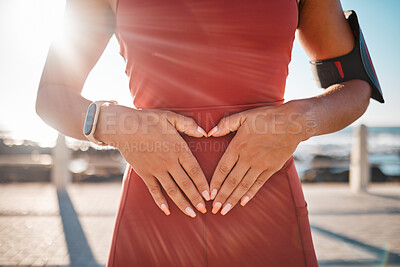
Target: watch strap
95, 119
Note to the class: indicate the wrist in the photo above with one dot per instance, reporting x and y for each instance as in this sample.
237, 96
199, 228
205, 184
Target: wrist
115, 121
302, 117
106, 130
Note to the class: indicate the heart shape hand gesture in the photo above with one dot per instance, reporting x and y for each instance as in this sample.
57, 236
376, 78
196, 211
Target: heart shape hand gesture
265, 139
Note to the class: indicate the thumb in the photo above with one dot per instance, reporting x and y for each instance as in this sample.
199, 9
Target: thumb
186, 125
227, 124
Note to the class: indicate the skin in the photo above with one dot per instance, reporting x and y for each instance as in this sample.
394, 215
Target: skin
265, 137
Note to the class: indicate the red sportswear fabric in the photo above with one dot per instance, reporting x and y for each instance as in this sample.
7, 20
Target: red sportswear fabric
208, 59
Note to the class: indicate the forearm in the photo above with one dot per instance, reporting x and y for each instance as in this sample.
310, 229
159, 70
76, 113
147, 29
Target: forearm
63, 109
336, 108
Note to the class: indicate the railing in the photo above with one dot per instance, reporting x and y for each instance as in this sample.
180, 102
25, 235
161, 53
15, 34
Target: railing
359, 166
60, 175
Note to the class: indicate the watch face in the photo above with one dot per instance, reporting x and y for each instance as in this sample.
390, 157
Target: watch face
87, 129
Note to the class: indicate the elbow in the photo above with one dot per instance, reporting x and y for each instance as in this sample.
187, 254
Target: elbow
40, 106
361, 94
364, 90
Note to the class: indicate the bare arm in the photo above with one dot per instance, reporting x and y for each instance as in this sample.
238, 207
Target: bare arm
324, 33
88, 28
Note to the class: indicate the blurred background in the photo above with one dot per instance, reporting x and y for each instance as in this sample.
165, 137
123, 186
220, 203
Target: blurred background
40, 225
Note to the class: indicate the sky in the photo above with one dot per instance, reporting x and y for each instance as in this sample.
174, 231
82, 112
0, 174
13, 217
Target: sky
28, 26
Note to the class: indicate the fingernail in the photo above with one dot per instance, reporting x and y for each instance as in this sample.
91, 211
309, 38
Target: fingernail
200, 130
244, 200
165, 209
216, 207
206, 195
214, 193
190, 212
213, 130
226, 208
201, 208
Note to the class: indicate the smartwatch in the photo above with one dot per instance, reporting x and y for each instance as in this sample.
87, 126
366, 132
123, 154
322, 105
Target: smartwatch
92, 117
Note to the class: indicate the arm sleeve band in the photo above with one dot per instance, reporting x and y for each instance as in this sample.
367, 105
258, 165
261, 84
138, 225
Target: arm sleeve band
355, 65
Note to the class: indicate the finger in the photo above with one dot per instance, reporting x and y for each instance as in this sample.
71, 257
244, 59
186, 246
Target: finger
193, 169
230, 183
227, 124
258, 183
246, 183
224, 167
175, 194
155, 191
188, 188
185, 125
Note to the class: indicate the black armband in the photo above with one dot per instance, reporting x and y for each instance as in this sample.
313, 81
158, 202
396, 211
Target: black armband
355, 65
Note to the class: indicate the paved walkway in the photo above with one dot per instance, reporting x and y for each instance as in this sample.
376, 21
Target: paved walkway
39, 226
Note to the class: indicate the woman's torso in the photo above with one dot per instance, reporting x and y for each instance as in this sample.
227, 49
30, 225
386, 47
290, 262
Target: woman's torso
188, 53
208, 59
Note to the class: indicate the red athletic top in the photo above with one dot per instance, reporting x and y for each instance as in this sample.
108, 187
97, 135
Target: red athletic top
190, 53
208, 59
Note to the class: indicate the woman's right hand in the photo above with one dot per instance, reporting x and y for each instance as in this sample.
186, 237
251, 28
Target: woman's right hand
149, 141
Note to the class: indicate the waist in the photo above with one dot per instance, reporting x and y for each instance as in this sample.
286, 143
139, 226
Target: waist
208, 116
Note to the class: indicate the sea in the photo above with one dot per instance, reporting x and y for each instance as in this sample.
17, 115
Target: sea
383, 148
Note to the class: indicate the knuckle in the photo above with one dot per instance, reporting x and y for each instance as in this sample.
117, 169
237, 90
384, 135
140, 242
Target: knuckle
245, 185
193, 171
152, 169
186, 183
182, 203
233, 181
154, 189
172, 191
161, 178
235, 149
190, 121
186, 155
241, 145
259, 182
195, 198
224, 169
164, 161
169, 115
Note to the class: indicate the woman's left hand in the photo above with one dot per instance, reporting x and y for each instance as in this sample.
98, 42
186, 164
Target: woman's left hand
266, 138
